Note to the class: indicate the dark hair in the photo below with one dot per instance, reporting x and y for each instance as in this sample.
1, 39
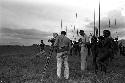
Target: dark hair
106, 33
63, 32
81, 31
41, 40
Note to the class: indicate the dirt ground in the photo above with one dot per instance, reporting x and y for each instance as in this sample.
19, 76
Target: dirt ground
20, 64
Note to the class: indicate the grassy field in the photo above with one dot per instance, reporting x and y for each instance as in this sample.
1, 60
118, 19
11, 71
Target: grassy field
23, 64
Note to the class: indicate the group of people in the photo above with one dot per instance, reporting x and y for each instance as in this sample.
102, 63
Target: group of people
98, 46
63, 46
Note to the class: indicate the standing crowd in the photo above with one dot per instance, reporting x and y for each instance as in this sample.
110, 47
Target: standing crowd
102, 48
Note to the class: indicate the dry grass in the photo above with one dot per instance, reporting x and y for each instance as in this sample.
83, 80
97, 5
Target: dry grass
22, 65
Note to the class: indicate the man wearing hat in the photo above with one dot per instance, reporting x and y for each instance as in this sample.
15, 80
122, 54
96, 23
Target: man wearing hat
84, 40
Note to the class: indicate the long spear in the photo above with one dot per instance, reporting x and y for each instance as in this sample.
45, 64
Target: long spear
109, 23
66, 30
76, 15
99, 18
115, 22
77, 32
94, 22
61, 24
74, 28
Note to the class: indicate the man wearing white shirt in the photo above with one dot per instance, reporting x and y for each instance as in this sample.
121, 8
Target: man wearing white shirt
84, 50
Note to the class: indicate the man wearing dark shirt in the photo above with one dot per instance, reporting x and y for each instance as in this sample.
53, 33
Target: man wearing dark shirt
42, 45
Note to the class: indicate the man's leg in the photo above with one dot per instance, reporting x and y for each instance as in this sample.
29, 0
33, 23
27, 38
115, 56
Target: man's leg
59, 64
83, 62
83, 58
66, 71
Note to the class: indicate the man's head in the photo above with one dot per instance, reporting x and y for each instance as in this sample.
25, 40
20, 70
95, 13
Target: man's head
90, 34
41, 41
106, 33
82, 32
63, 33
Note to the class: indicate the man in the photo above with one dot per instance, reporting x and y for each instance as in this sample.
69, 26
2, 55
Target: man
106, 50
63, 45
84, 40
42, 45
109, 43
90, 37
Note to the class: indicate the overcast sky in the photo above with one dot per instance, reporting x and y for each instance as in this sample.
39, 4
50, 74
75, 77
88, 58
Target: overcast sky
25, 22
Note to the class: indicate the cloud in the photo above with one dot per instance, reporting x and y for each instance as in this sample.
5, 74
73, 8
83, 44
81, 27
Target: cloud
23, 14
44, 17
87, 19
23, 36
112, 15
28, 21
121, 33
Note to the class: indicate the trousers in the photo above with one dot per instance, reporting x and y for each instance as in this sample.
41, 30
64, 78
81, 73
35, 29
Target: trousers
84, 53
60, 60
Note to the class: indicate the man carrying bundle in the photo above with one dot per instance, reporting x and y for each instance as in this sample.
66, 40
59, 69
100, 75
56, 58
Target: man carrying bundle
63, 45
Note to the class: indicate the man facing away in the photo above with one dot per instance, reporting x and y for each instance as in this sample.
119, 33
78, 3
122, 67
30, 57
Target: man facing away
84, 40
63, 45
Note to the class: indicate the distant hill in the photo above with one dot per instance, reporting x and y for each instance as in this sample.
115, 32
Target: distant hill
122, 41
12, 43
16, 49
